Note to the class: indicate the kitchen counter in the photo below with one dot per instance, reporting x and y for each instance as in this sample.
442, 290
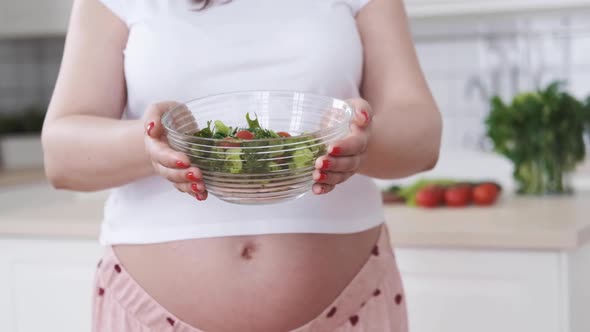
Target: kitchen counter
75, 218
14, 178
525, 259
30, 207
515, 222
35, 209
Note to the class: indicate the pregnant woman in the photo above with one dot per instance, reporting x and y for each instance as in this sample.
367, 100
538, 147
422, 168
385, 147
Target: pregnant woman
177, 259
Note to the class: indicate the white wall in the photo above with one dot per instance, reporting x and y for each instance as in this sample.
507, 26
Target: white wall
534, 49
505, 55
34, 17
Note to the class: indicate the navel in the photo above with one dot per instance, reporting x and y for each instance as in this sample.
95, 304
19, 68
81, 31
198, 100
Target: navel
248, 250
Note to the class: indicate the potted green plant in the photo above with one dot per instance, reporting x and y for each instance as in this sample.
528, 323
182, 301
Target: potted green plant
542, 133
20, 139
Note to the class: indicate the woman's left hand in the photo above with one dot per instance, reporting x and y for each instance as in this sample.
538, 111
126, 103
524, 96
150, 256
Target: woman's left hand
345, 157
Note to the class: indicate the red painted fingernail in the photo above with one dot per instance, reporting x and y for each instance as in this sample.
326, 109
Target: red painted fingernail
194, 187
150, 126
325, 164
366, 115
100, 291
199, 197
323, 176
180, 164
336, 151
191, 176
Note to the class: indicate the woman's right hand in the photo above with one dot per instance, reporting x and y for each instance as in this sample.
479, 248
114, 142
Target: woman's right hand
171, 164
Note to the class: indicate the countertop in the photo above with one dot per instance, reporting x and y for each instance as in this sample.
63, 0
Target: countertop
34, 209
515, 222
14, 178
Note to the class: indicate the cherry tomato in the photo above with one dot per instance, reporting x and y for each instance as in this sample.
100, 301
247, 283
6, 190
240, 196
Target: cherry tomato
485, 194
459, 195
244, 134
283, 134
430, 196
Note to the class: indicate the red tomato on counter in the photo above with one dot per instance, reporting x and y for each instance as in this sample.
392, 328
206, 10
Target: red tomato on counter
430, 196
459, 195
485, 194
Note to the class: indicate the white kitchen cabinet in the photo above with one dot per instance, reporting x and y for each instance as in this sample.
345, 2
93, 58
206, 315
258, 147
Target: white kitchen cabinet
26, 18
46, 285
496, 290
431, 8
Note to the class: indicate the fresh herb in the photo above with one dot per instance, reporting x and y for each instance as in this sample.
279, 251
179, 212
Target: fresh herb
541, 132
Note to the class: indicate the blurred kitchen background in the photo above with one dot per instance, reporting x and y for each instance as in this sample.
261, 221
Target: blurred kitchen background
520, 265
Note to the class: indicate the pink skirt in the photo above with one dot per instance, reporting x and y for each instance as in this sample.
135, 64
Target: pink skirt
373, 301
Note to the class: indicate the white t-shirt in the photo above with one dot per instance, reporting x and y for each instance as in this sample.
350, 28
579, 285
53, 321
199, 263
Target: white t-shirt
175, 53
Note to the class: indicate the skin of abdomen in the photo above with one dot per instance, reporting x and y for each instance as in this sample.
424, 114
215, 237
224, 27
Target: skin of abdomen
248, 283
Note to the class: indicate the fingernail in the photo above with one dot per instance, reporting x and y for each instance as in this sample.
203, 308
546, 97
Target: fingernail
366, 115
194, 187
323, 176
325, 164
150, 126
180, 164
336, 151
199, 198
191, 177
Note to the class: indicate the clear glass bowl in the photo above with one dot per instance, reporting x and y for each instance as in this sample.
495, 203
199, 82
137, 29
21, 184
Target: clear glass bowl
259, 171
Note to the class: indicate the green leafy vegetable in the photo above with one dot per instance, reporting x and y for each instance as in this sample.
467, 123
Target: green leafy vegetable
234, 163
303, 158
234, 152
541, 132
222, 129
205, 132
252, 124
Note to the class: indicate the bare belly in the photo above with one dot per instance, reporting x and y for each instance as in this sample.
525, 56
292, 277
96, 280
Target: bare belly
249, 283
